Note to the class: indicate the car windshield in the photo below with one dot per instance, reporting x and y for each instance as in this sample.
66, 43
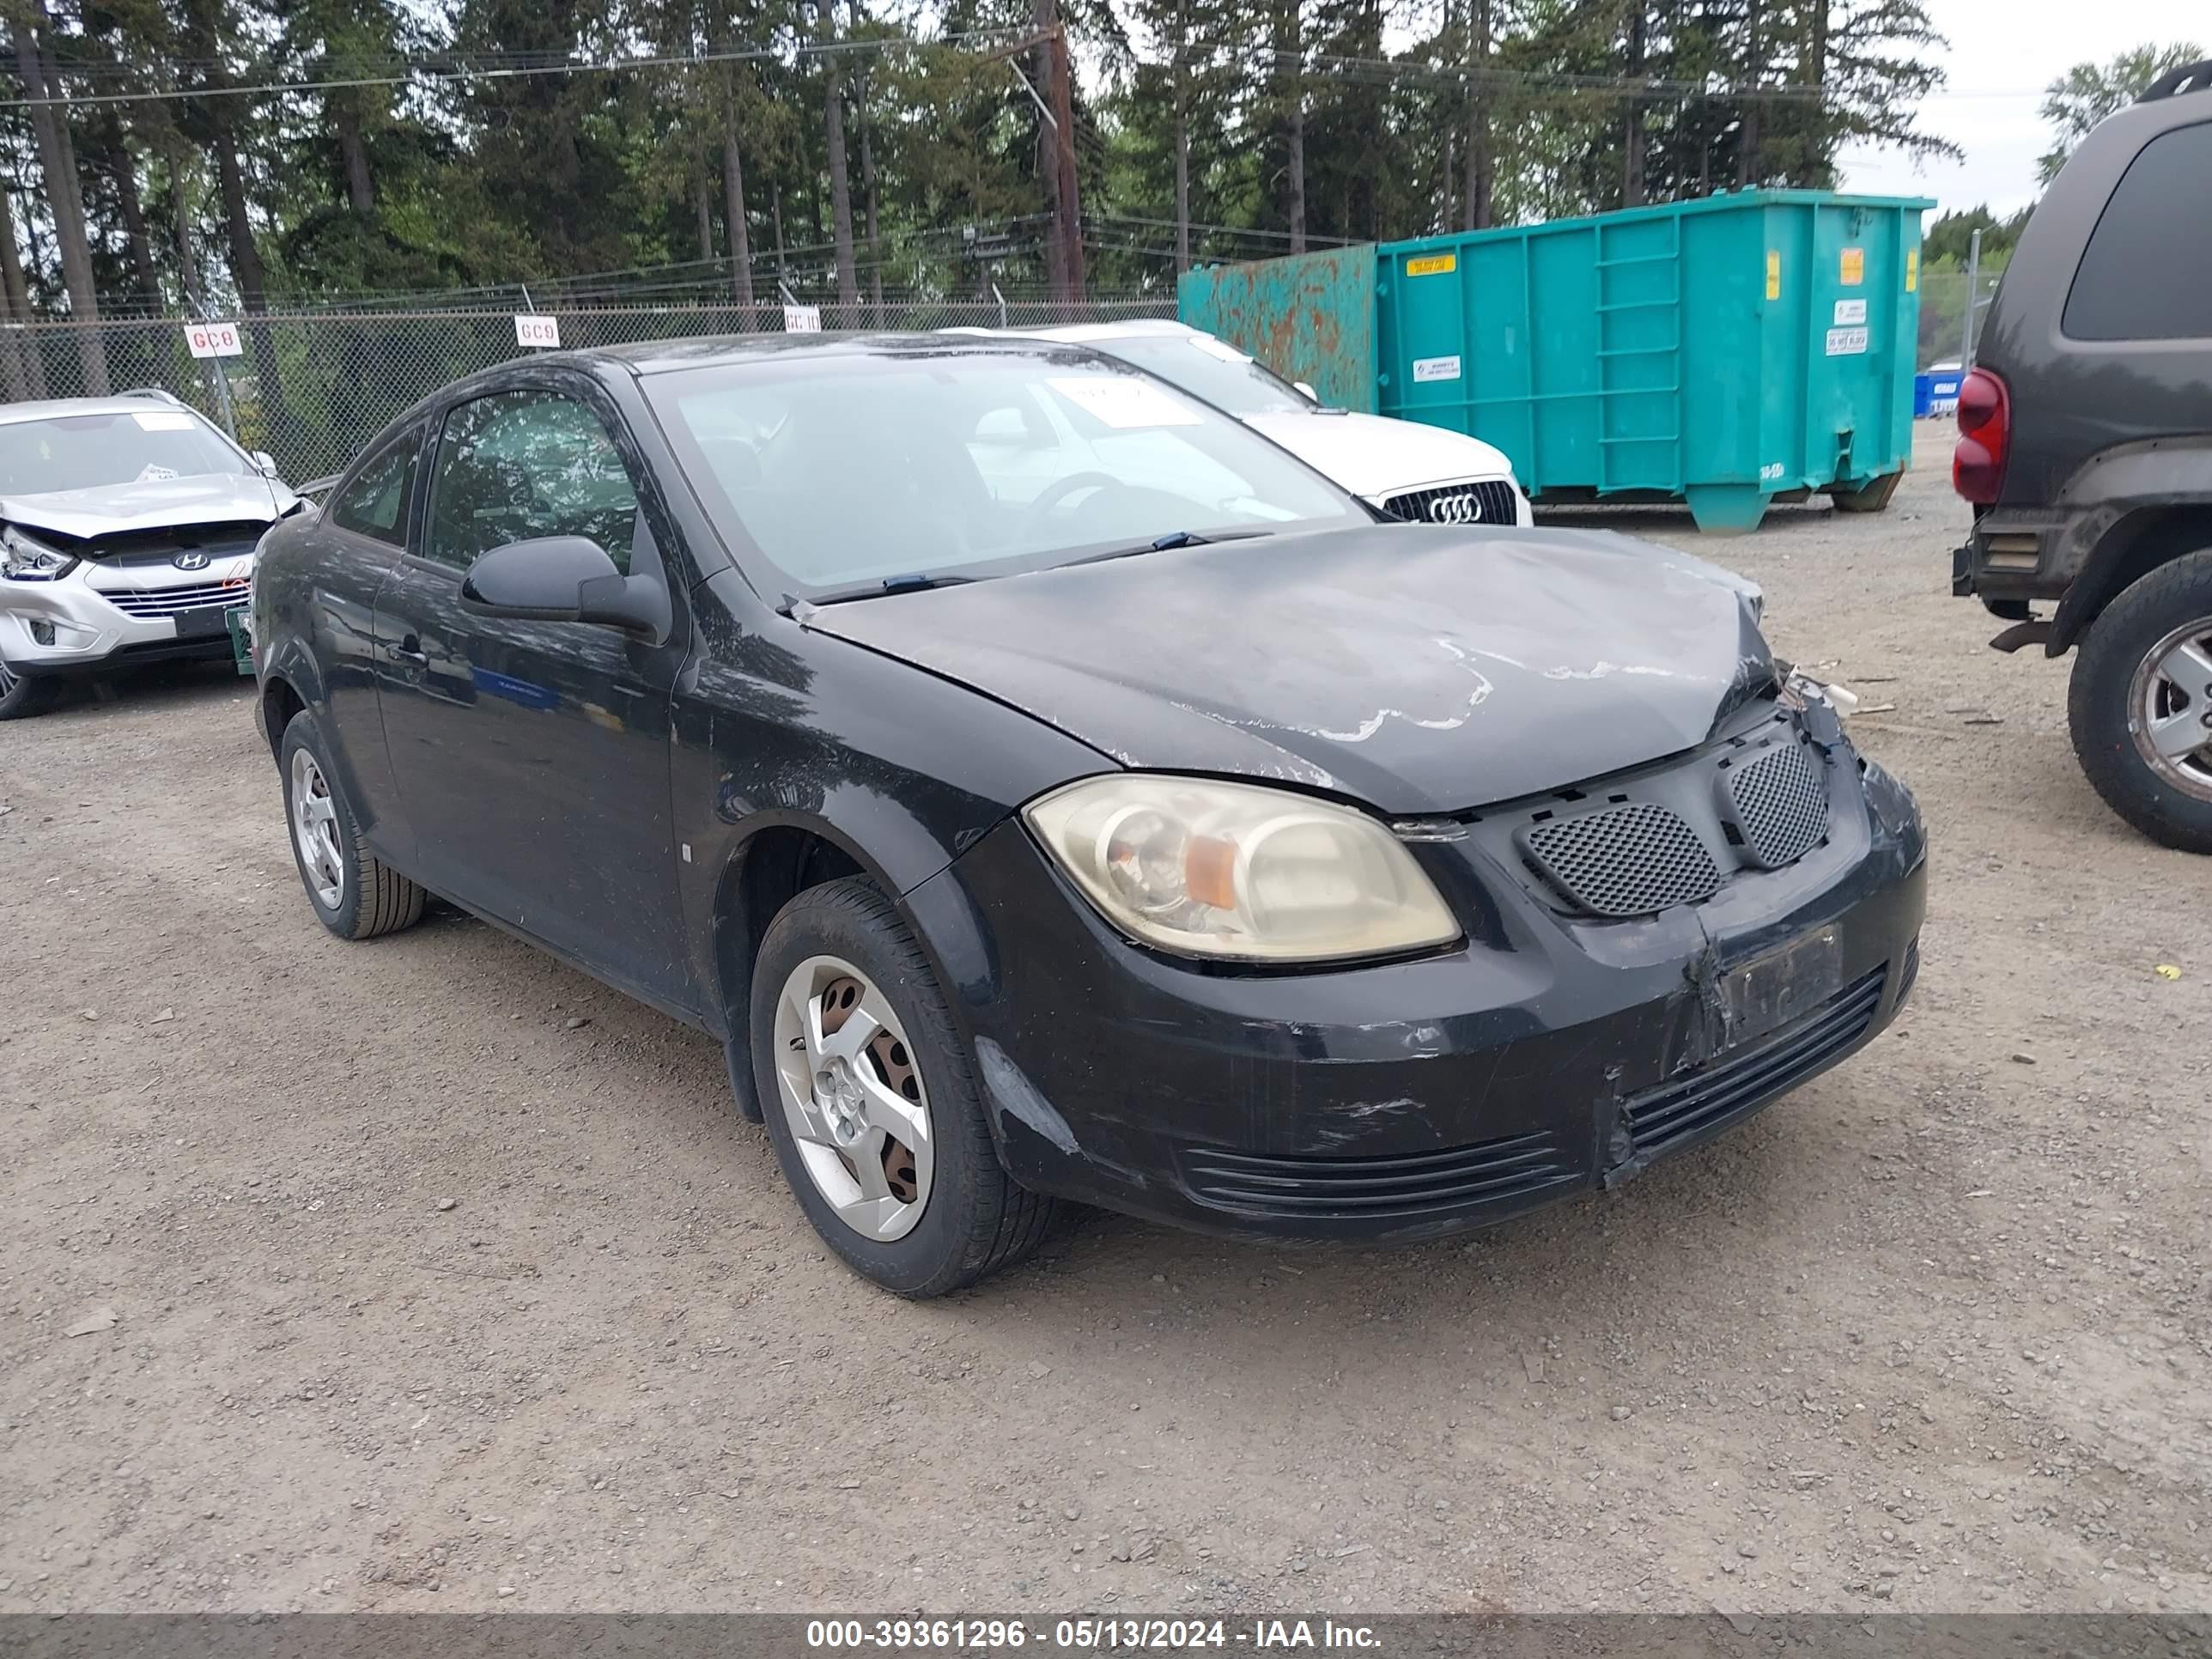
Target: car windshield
851, 470
1206, 367
95, 450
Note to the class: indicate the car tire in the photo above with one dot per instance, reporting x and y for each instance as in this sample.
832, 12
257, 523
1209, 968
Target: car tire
355, 894
2118, 700
22, 696
967, 1218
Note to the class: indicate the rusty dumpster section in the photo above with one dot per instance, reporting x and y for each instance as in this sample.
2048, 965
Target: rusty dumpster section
1310, 317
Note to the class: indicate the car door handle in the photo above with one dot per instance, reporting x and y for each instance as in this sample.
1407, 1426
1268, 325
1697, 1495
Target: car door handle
402, 653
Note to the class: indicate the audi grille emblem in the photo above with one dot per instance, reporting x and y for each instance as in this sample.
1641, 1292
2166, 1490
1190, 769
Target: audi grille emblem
1456, 509
194, 560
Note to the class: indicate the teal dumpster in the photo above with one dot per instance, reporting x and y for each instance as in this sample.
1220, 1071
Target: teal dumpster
1727, 352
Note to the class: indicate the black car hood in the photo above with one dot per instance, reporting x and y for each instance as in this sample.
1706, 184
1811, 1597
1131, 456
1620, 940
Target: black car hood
1420, 669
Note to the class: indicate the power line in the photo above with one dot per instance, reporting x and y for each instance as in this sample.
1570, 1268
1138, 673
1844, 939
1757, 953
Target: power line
438, 71
1230, 230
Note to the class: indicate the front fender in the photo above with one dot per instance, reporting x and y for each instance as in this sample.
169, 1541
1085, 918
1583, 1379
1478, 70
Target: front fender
286, 663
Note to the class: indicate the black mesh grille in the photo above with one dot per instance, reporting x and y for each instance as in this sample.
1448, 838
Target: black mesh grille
1780, 804
1488, 1172
1489, 501
1629, 861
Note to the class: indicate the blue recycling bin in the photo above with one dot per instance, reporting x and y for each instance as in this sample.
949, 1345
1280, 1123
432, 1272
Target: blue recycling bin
1935, 393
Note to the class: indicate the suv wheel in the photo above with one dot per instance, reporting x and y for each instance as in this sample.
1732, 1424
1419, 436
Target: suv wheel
24, 694
356, 895
871, 1100
2140, 705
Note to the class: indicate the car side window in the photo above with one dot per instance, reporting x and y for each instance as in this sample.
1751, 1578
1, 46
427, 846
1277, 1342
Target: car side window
2142, 277
375, 503
518, 466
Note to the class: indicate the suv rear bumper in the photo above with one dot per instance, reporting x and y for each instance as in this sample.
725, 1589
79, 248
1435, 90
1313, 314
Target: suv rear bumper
2013, 555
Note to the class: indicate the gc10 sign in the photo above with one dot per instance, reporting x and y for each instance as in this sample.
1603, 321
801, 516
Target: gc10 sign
531, 329
212, 339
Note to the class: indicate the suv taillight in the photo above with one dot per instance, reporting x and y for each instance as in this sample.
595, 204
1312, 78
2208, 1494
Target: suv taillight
1977, 459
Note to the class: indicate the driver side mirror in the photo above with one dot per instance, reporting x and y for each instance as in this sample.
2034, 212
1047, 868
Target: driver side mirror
264, 463
1304, 389
565, 579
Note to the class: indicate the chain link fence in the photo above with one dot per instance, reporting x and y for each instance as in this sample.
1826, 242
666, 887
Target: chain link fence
1943, 313
312, 388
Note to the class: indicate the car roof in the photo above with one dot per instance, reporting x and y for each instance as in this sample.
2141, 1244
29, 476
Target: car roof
1128, 328
127, 402
646, 357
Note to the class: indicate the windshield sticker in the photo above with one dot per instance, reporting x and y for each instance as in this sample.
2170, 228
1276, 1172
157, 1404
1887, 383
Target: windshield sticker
1435, 369
1126, 403
155, 474
162, 420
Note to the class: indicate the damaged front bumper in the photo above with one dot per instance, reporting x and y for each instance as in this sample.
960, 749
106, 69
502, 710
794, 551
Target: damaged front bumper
1403, 1100
100, 616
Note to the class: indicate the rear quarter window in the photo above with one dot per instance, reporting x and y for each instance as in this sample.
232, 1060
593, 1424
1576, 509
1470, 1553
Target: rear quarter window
374, 504
2143, 275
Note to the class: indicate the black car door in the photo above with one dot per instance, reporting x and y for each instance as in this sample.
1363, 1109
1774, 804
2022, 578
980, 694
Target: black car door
532, 759
361, 537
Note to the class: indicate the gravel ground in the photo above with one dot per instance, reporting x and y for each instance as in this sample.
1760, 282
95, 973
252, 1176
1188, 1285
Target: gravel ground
415, 1292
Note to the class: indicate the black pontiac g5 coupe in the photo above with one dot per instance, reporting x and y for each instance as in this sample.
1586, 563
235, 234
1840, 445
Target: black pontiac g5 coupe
1048, 789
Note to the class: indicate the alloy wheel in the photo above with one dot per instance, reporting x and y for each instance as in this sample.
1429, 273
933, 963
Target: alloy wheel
853, 1097
315, 829
2170, 708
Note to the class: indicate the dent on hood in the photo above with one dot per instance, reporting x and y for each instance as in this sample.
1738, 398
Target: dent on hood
211, 498
1417, 668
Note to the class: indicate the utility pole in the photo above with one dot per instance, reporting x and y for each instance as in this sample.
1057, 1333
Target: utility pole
1063, 121
1973, 282
1064, 251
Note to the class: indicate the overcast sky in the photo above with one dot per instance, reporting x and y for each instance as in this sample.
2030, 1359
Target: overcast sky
2002, 54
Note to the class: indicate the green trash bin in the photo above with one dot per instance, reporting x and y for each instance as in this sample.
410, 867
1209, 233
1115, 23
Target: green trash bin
1726, 352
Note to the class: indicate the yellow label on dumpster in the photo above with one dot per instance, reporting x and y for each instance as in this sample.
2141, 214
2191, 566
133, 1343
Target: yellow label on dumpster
1432, 265
1911, 270
1854, 271
1774, 273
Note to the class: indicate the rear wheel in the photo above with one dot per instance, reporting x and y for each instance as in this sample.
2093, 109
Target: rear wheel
2140, 704
355, 894
871, 1100
22, 696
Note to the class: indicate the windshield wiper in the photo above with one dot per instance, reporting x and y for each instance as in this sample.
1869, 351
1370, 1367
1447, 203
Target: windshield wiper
918, 582
1167, 543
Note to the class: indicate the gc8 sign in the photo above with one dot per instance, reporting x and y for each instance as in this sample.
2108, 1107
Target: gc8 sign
212, 339
533, 330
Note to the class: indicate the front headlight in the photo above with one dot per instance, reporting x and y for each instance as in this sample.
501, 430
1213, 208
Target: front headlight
1236, 871
25, 559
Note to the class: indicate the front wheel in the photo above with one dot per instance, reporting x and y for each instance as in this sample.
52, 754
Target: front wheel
22, 696
871, 1100
2140, 704
355, 894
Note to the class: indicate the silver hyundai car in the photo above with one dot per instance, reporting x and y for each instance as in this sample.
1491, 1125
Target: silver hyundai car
127, 532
